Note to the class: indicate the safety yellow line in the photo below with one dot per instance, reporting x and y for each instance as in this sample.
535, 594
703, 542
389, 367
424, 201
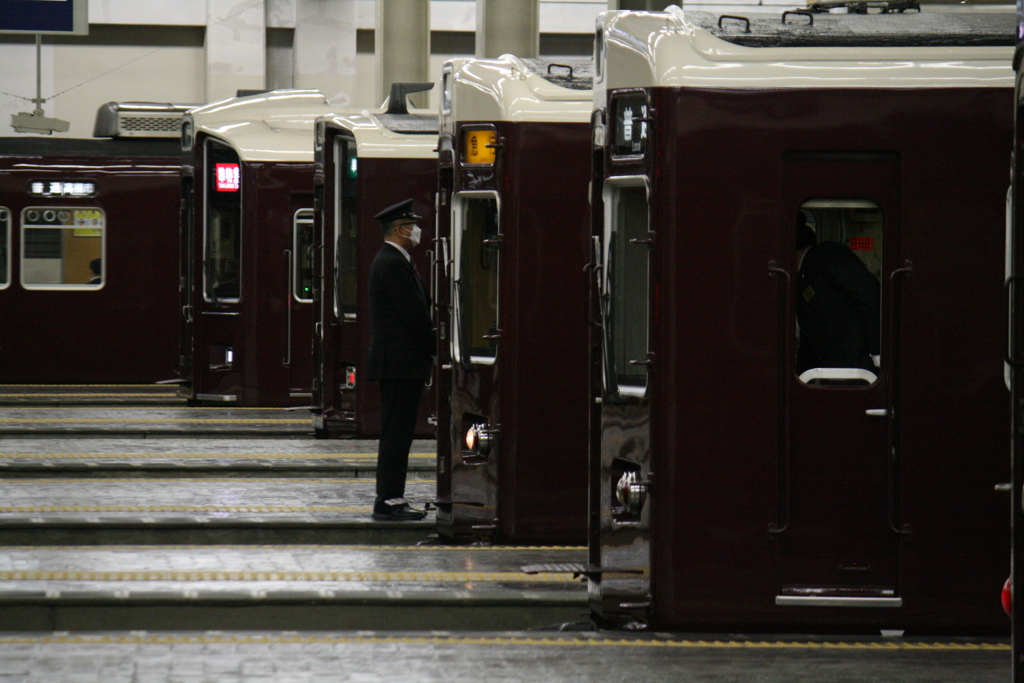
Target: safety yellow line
263, 639
22, 509
153, 420
246, 456
418, 548
150, 575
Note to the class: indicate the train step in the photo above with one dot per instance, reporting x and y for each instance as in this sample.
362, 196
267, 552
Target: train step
200, 511
125, 457
285, 587
153, 422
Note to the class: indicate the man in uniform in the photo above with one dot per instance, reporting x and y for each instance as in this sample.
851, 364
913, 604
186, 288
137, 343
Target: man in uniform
837, 306
402, 346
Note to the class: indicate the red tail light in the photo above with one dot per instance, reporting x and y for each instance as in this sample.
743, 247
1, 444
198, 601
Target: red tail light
1008, 597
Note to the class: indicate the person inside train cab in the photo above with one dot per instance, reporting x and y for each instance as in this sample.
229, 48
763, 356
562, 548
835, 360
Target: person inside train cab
837, 306
96, 268
402, 346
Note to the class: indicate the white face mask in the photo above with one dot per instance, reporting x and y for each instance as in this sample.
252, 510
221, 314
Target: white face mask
415, 235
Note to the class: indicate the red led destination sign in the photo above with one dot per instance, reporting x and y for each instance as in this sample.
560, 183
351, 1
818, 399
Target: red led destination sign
228, 179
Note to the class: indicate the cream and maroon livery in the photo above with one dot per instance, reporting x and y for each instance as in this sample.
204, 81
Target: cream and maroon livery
512, 247
364, 162
731, 492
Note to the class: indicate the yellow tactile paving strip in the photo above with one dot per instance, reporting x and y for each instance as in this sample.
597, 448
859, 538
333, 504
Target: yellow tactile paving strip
204, 456
25, 509
155, 420
259, 639
368, 576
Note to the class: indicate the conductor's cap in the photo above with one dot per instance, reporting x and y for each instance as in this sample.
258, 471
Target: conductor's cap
396, 212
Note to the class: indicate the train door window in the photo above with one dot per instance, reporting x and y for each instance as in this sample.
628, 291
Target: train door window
838, 291
625, 286
346, 243
630, 118
222, 246
5, 248
62, 247
302, 275
476, 271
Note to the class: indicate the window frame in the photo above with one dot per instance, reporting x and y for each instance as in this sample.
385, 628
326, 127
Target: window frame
341, 171
306, 216
610, 195
5, 212
42, 286
208, 191
458, 231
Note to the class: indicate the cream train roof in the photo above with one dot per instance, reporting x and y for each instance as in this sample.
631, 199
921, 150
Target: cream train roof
278, 126
375, 140
678, 48
514, 89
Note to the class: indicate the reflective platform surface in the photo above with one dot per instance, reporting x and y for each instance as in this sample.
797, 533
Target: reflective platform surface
447, 657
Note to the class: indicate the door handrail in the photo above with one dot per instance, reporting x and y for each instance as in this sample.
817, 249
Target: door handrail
785, 438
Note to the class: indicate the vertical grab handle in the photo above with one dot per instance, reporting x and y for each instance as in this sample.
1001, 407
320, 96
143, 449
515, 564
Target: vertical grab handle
892, 462
785, 440
288, 258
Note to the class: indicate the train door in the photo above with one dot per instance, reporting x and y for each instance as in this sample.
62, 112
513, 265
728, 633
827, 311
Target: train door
186, 270
440, 293
217, 318
299, 262
625, 431
838, 530
475, 334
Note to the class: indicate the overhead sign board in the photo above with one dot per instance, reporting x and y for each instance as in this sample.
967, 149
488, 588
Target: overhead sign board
64, 17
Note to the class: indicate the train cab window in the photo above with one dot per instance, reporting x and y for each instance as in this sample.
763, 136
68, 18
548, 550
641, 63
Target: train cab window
223, 228
477, 261
302, 273
625, 286
630, 112
345, 222
838, 292
62, 247
5, 248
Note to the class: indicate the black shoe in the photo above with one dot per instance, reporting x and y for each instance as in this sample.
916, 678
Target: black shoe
396, 510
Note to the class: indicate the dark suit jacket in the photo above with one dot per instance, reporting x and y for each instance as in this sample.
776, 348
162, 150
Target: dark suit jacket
402, 340
837, 306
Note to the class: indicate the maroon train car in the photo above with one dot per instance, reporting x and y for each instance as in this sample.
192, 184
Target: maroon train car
737, 491
364, 163
512, 226
88, 251
1015, 359
247, 304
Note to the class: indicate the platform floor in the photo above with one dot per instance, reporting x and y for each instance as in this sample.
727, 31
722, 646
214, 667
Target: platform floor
446, 657
142, 540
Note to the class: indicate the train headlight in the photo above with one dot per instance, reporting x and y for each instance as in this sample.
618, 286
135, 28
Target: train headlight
1007, 597
631, 493
479, 439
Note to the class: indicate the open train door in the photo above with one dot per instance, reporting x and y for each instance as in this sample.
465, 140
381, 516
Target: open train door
838, 528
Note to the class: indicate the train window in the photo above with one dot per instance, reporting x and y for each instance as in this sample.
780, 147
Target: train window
345, 233
838, 291
62, 247
630, 112
625, 286
477, 261
302, 275
5, 248
446, 91
223, 228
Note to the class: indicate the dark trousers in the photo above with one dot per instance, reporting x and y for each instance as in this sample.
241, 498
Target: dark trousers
400, 406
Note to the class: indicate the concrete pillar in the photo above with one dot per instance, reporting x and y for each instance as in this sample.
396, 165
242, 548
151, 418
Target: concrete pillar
235, 47
402, 46
325, 48
507, 27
